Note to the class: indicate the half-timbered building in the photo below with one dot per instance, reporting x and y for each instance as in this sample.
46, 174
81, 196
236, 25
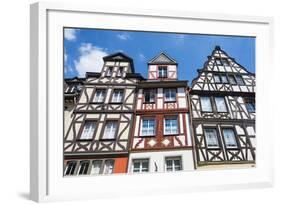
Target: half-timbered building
97, 140
222, 102
161, 139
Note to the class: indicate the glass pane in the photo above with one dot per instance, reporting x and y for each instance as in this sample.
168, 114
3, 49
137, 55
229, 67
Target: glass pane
239, 80
70, 168
148, 126
88, 130
229, 138
211, 137
96, 166
217, 78
206, 104
110, 130
224, 79
83, 169
220, 104
108, 167
231, 79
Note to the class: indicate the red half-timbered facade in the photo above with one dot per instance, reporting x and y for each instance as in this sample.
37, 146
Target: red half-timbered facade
161, 126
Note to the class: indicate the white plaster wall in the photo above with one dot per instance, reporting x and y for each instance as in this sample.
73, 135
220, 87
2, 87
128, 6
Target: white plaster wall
159, 159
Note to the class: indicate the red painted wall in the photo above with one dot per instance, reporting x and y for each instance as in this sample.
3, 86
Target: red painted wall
120, 165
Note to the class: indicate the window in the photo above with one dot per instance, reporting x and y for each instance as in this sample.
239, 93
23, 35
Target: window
232, 79
96, 167
206, 104
120, 71
250, 104
173, 164
117, 96
220, 104
239, 80
218, 61
109, 71
110, 130
171, 125
217, 78
225, 61
108, 166
229, 138
88, 130
99, 96
149, 96
148, 127
170, 95
83, 167
211, 137
70, 168
224, 79
140, 165
162, 71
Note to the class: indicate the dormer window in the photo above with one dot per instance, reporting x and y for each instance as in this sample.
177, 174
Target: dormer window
120, 71
109, 71
222, 61
162, 71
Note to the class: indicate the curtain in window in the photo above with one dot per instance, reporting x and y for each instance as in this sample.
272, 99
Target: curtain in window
99, 96
117, 96
108, 167
206, 104
96, 167
220, 104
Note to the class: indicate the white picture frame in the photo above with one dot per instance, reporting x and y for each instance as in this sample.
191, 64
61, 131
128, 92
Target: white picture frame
46, 154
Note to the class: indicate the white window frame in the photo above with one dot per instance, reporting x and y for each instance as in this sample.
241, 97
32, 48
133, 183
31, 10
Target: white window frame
224, 103
141, 161
154, 127
216, 139
99, 98
88, 134
173, 158
112, 134
151, 92
161, 69
171, 128
120, 95
170, 91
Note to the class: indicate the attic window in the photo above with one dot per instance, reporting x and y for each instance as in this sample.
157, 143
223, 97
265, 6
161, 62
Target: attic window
120, 71
162, 71
109, 71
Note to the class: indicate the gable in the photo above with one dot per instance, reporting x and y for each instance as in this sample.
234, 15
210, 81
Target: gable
162, 58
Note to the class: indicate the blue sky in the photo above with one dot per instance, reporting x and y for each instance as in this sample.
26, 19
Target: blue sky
84, 49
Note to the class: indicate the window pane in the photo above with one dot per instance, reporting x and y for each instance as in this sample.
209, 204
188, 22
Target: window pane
173, 164
70, 167
224, 61
217, 78
148, 127
99, 95
220, 104
229, 138
108, 167
83, 168
109, 71
232, 79
110, 130
96, 167
211, 137
120, 71
239, 80
140, 165
218, 61
170, 95
206, 104
88, 130
162, 71
117, 96
250, 106
171, 125
224, 79
149, 96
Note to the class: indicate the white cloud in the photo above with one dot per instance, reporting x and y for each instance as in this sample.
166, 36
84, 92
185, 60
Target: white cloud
90, 60
70, 34
142, 57
123, 36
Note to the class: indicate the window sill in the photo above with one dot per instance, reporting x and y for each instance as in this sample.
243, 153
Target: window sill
96, 103
116, 102
148, 102
84, 140
146, 136
107, 139
171, 135
172, 101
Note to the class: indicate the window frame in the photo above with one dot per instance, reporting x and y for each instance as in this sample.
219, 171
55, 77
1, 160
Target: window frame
211, 103
141, 126
215, 103
250, 100
239, 77
235, 138
227, 81
120, 74
164, 124
219, 77
109, 71
141, 160
164, 67
94, 94
173, 158
75, 167
149, 90
79, 167
117, 121
218, 146
82, 129
164, 92
112, 96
